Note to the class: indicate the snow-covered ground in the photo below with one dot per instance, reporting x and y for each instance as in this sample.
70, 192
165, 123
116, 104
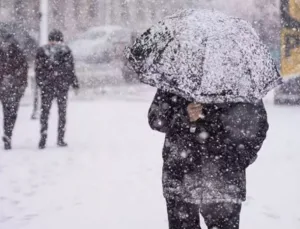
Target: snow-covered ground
109, 177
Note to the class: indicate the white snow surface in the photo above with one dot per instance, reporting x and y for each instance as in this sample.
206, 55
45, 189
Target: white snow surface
110, 175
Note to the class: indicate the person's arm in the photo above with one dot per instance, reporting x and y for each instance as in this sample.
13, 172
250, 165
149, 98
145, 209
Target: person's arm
20, 67
246, 127
167, 113
40, 67
71, 70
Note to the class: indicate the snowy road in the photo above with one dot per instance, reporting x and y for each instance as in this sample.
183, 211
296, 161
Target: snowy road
109, 177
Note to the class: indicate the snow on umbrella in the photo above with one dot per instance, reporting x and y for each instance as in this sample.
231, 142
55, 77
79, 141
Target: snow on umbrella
204, 56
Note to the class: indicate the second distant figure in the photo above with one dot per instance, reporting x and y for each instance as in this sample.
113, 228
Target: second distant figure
55, 74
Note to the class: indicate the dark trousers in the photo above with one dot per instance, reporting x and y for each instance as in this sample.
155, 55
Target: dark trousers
10, 108
35, 100
183, 215
47, 98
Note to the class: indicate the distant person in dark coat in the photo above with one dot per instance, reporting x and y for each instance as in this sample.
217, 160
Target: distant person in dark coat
55, 74
206, 152
13, 82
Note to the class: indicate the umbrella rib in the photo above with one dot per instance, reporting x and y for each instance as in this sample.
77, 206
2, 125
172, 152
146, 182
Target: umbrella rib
160, 52
204, 43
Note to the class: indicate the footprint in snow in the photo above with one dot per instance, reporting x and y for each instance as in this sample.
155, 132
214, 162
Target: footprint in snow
29, 194
16, 190
15, 202
59, 208
271, 215
5, 219
29, 217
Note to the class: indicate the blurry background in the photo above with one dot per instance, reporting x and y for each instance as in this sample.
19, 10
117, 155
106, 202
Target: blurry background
98, 30
75, 16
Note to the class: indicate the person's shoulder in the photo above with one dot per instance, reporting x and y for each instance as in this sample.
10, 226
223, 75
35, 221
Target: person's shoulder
257, 103
64, 47
68, 50
40, 52
42, 49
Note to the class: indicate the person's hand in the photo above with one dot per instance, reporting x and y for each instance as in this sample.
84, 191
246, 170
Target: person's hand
76, 91
195, 111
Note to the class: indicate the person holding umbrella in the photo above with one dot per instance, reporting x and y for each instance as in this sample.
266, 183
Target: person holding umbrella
211, 71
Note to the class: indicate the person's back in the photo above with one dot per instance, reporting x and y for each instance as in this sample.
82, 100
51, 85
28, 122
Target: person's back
13, 82
206, 152
55, 67
13, 65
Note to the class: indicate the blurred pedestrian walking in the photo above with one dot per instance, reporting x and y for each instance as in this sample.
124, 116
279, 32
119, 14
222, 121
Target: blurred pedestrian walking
55, 74
13, 82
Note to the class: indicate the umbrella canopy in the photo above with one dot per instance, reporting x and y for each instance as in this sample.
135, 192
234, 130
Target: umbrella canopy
205, 56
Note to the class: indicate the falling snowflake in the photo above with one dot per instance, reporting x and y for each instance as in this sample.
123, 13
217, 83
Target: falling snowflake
204, 135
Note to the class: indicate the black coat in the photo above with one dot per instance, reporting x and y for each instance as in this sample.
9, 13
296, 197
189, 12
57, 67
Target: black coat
206, 161
54, 68
13, 71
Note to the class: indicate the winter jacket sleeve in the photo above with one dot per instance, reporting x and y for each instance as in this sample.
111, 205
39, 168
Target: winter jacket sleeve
245, 128
166, 114
40, 60
71, 69
20, 67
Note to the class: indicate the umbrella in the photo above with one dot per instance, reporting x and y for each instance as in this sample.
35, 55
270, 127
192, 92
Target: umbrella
204, 56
